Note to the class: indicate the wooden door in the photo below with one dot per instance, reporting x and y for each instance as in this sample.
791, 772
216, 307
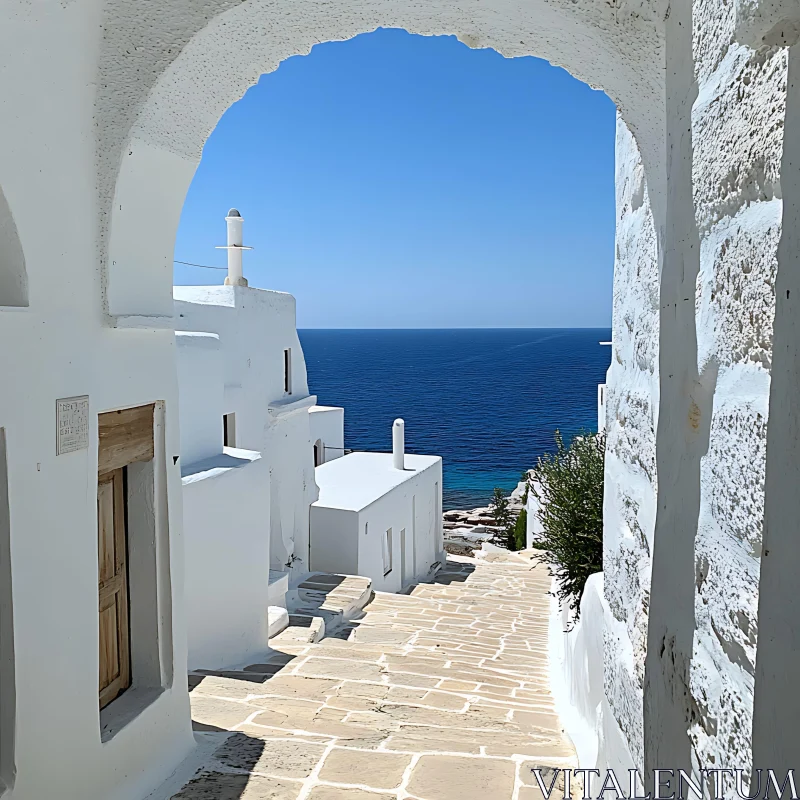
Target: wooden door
112, 547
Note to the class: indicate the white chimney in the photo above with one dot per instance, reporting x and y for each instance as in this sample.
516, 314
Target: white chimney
235, 248
398, 444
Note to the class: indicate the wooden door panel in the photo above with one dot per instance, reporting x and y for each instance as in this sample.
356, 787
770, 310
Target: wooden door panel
114, 641
105, 532
109, 650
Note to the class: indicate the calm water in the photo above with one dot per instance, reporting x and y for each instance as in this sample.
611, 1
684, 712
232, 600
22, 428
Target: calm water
487, 401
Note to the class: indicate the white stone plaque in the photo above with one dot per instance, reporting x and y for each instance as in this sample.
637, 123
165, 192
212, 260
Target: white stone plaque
72, 416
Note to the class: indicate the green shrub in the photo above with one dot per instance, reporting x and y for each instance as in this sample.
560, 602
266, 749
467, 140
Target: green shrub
570, 493
520, 530
502, 518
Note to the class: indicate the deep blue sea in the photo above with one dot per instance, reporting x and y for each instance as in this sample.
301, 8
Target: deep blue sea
486, 400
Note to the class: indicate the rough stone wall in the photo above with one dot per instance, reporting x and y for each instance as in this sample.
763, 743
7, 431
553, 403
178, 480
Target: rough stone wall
632, 409
737, 132
736, 147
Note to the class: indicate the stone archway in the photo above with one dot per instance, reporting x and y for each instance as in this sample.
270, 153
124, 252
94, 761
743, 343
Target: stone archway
186, 65
158, 107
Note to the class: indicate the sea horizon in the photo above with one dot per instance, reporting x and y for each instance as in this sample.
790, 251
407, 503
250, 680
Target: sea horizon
487, 400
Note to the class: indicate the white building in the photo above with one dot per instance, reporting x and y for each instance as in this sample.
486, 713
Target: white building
248, 459
250, 437
379, 515
264, 403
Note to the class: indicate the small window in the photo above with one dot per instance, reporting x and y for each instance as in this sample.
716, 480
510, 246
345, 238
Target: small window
287, 371
387, 553
229, 430
319, 452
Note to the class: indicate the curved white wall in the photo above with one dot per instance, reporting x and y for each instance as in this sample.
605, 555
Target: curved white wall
13, 276
576, 651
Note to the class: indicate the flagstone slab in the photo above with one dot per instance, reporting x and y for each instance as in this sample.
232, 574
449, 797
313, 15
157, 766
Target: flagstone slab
344, 793
438, 777
408, 742
306, 687
213, 686
223, 714
339, 668
355, 689
457, 686
284, 758
374, 769
228, 786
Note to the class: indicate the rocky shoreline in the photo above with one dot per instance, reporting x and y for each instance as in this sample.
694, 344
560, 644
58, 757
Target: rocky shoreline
467, 530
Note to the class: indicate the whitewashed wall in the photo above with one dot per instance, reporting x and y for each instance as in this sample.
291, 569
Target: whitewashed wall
201, 391
255, 326
327, 429
349, 536
226, 511
629, 505
411, 506
737, 126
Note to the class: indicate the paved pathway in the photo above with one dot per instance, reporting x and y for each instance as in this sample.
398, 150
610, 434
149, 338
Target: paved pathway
441, 694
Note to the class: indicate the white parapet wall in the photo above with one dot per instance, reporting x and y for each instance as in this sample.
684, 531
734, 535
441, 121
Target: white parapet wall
533, 526
576, 650
327, 432
226, 511
601, 407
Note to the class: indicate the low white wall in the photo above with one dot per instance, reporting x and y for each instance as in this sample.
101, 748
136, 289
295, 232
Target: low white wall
410, 506
576, 651
327, 427
533, 527
200, 394
601, 407
226, 511
334, 540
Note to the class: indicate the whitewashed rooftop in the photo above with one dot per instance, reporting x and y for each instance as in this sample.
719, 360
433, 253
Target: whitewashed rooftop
356, 480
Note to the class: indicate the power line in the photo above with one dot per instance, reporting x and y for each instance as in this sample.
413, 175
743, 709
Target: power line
202, 266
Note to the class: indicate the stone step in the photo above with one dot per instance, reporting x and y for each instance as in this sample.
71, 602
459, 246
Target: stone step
343, 594
302, 629
334, 600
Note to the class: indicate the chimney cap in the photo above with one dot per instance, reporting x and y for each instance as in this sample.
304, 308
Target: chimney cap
234, 213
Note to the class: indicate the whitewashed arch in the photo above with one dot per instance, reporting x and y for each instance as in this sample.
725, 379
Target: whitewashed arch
187, 66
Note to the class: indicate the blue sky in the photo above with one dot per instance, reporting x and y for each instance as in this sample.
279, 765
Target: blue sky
398, 181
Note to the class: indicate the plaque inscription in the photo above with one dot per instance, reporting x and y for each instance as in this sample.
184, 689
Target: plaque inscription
72, 417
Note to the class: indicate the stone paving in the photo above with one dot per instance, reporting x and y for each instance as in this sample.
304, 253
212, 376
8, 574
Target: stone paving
439, 694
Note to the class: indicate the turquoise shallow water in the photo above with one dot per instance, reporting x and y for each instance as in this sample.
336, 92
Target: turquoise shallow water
486, 400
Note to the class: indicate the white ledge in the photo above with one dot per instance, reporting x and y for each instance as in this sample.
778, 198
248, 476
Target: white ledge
205, 341
143, 322
232, 458
290, 405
